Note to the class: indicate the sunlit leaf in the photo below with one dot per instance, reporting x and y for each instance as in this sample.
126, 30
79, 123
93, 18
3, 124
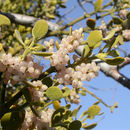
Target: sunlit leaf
86, 51
94, 38
91, 126
75, 111
110, 35
4, 20
98, 5
93, 111
121, 41
101, 55
67, 92
54, 93
57, 45
84, 114
40, 29
18, 37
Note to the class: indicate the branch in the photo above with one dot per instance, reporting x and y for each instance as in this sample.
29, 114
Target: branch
28, 20
111, 71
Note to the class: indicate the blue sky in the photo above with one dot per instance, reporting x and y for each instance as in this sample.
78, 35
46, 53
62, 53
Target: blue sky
109, 90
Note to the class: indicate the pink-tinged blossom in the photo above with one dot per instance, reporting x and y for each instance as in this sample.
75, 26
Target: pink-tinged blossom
17, 70
39, 123
126, 34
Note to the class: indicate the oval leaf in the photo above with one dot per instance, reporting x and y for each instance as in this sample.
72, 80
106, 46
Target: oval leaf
86, 51
44, 54
54, 93
4, 20
114, 61
12, 120
98, 5
75, 125
91, 126
110, 35
67, 92
93, 111
40, 29
18, 37
94, 38
75, 111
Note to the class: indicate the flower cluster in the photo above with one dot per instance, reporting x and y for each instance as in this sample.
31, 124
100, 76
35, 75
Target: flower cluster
37, 91
82, 72
126, 34
68, 44
123, 13
17, 70
39, 123
74, 97
49, 45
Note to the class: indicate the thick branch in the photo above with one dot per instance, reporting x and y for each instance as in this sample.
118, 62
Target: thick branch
28, 20
111, 71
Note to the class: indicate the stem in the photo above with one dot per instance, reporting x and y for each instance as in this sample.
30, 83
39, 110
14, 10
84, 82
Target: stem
14, 99
75, 21
100, 100
47, 72
18, 108
84, 119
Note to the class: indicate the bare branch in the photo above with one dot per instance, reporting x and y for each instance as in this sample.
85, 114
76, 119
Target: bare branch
28, 20
111, 71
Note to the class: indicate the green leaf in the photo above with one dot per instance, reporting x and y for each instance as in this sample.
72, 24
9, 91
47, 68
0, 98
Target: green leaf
94, 38
57, 116
12, 120
121, 41
98, 5
67, 106
43, 54
93, 111
97, 45
116, 41
75, 111
91, 126
75, 125
82, 92
110, 35
67, 92
117, 20
101, 55
114, 53
4, 20
114, 61
86, 51
57, 45
54, 93
84, 114
40, 29
18, 37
